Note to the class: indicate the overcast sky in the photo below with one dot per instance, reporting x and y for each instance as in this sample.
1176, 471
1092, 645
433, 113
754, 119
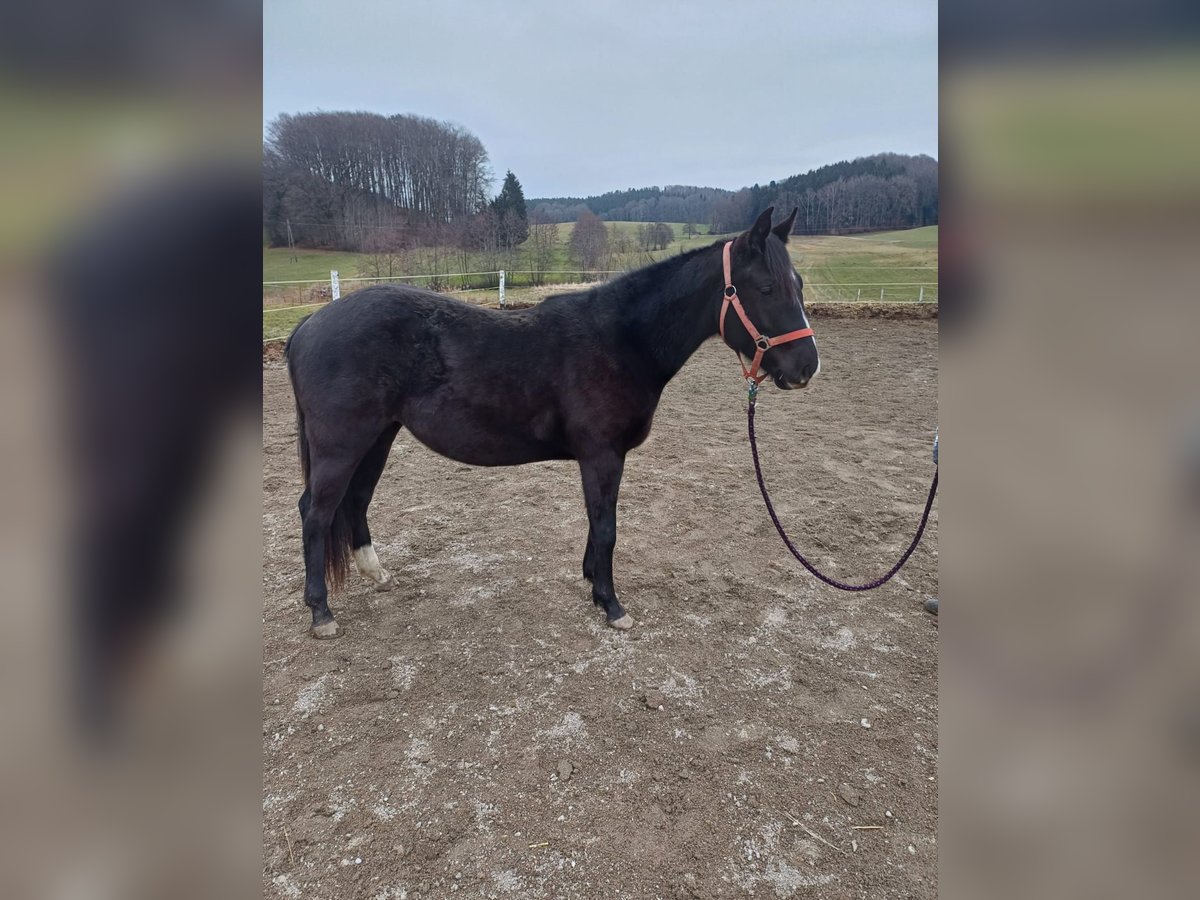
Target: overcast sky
579, 98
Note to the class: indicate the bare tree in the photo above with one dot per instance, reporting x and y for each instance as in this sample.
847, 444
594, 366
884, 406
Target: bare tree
655, 237
385, 254
544, 238
622, 250
438, 256
589, 241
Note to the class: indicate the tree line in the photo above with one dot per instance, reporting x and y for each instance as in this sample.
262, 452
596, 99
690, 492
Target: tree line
884, 191
673, 203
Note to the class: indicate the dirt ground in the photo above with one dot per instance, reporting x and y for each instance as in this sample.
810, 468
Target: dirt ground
479, 732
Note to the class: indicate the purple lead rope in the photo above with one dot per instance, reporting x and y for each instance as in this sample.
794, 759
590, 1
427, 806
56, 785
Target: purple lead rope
832, 582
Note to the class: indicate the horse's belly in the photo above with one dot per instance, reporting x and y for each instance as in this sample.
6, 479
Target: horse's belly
479, 453
471, 439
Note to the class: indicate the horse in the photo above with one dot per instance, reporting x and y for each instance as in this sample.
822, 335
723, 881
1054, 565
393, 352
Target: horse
576, 377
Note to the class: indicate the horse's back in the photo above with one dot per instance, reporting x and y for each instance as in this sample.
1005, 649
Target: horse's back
391, 343
381, 312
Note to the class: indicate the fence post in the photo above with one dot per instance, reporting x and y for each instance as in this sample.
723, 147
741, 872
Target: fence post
860, 294
921, 298
336, 288
881, 295
502, 303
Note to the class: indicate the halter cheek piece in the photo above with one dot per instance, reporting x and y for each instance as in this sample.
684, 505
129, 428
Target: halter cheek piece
762, 343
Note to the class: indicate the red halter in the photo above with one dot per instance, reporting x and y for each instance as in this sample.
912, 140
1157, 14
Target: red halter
761, 341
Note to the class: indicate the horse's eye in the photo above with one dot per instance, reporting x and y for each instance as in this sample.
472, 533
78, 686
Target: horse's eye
766, 288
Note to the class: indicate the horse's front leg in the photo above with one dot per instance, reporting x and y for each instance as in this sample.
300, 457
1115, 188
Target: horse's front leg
601, 482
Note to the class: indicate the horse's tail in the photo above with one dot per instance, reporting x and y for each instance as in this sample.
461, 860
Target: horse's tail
337, 547
302, 444
339, 536
301, 433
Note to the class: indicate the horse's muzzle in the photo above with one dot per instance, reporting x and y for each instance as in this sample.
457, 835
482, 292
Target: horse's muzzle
789, 385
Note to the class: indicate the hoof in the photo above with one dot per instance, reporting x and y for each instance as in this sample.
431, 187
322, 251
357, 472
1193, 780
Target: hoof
622, 624
325, 630
384, 583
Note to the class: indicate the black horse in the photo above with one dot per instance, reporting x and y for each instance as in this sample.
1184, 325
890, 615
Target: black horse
576, 377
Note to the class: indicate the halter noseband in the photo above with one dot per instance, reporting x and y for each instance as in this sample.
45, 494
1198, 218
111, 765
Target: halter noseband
762, 343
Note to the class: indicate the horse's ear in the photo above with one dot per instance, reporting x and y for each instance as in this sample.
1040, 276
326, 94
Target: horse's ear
784, 228
761, 228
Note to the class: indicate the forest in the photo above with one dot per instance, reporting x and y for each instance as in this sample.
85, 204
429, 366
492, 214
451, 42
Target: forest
361, 181
884, 191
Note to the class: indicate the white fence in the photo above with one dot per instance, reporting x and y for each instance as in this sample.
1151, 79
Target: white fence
316, 292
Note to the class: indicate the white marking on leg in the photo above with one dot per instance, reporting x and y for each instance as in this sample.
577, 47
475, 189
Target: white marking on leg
368, 566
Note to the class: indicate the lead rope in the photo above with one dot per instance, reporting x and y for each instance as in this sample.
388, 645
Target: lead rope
832, 582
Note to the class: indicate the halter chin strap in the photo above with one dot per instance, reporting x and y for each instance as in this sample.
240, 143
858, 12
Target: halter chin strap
762, 343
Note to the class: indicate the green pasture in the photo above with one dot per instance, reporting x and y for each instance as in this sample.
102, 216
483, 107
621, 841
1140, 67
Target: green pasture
898, 263
918, 238
308, 265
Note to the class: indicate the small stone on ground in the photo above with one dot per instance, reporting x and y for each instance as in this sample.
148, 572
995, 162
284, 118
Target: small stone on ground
849, 794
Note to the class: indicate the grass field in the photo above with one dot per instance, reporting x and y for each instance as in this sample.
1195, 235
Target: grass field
900, 263
920, 238
309, 264
278, 323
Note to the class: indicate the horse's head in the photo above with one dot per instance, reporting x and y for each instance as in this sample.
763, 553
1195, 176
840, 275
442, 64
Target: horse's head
771, 295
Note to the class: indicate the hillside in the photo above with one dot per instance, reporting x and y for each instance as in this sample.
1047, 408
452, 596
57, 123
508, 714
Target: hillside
887, 190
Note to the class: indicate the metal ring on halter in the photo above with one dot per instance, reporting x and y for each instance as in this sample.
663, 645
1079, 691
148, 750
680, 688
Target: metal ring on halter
730, 291
762, 342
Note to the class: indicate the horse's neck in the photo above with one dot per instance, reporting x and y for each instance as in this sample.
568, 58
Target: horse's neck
680, 316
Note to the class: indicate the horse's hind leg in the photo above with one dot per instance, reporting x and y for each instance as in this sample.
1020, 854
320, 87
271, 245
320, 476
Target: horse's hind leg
589, 558
325, 529
358, 499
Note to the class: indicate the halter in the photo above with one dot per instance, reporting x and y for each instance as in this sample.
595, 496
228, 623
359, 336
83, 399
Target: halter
763, 343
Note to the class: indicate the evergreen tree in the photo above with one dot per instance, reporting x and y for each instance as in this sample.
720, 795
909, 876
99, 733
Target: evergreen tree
509, 209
